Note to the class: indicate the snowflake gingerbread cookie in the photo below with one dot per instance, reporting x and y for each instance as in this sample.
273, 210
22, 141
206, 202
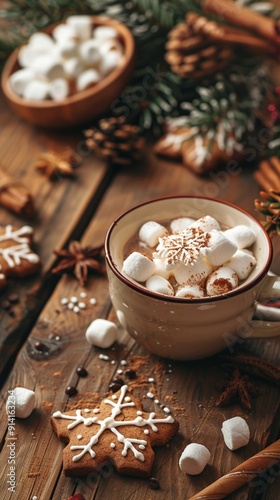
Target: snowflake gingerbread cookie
16, 257
118, 431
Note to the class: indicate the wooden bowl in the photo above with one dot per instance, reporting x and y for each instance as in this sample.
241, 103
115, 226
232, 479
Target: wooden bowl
82, 106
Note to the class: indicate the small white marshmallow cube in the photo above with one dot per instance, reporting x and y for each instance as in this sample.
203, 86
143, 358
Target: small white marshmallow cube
58, 89
243, 236
178, 225
206, 224
20, 79
82, 25
109, 45
190, 292
158, 284
104, 33
36, 90
150, 232
67, 48
160, 268
242, 263
194, 459
101, 333
41, 41
109, 62
73, 67
22, 400
221, 281
90, 52
219, 248
87, 78
236, 432
65, 32
48, 66
138, 267
27, 54
191, 274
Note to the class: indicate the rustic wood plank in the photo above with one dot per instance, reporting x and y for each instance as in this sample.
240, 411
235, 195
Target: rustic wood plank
39, 472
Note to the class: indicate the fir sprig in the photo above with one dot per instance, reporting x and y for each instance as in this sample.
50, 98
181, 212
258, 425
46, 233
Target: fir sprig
269, 207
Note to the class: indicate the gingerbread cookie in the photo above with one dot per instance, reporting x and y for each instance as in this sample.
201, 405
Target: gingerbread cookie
118, 431
16, 257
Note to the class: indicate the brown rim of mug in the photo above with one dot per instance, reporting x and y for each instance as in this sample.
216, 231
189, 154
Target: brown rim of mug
237, 291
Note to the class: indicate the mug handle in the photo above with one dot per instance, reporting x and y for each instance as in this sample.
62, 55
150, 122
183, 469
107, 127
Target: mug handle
265, 329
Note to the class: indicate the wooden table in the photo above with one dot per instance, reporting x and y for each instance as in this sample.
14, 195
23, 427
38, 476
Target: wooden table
83, 209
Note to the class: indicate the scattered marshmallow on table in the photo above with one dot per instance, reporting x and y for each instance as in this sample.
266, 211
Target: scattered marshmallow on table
221, 281
22, 400
101, 333
178, 225
236, 433
158, 284
243, 236
138, 267
150, 232
242, 263
194, 458
219, 248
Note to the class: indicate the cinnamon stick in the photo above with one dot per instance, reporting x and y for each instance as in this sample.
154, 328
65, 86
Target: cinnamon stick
243, 17
14, 195
241, 474
268, 174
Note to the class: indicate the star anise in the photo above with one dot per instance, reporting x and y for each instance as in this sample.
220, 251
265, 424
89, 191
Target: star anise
79, 260
55, 166
237, 388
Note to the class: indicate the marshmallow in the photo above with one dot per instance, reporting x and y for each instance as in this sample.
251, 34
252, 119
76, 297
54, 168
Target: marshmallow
150, 233
36, 90
206, 224
22, 401
73, 67
190, 292
219, 248
109, 62
158, 284
27, 54
89, 51
48, 67
58, 89
20, 79
242, 263
190, 274
178, 225
101, 333
66, 48
194, 459
221, 281
81, 24
41, 41
64, 32
236, 433
104, 33
109, 45
87, 78
243, 236
138, 267
160, 268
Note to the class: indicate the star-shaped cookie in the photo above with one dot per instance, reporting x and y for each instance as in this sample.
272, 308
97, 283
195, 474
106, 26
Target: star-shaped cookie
118, 431
16, 257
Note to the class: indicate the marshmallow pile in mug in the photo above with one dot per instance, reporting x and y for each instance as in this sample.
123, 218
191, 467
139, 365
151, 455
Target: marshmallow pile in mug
77, 55
191, 258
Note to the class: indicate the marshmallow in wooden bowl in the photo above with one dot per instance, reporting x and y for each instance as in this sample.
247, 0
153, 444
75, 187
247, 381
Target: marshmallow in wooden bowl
20, 402
76, 56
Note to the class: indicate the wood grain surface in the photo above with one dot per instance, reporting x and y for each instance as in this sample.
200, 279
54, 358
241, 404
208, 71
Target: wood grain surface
84, 208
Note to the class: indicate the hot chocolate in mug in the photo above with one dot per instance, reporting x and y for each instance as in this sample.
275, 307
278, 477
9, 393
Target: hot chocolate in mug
182, 328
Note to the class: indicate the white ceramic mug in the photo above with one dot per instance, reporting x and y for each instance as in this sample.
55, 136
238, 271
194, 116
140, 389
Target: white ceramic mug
181, 328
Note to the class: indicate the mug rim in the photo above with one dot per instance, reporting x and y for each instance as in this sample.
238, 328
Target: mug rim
167, 298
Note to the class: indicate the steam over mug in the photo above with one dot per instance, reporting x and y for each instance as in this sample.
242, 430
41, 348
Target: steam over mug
183, 328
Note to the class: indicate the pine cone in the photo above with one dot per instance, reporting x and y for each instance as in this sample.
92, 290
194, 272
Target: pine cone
116, 141
193, 50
